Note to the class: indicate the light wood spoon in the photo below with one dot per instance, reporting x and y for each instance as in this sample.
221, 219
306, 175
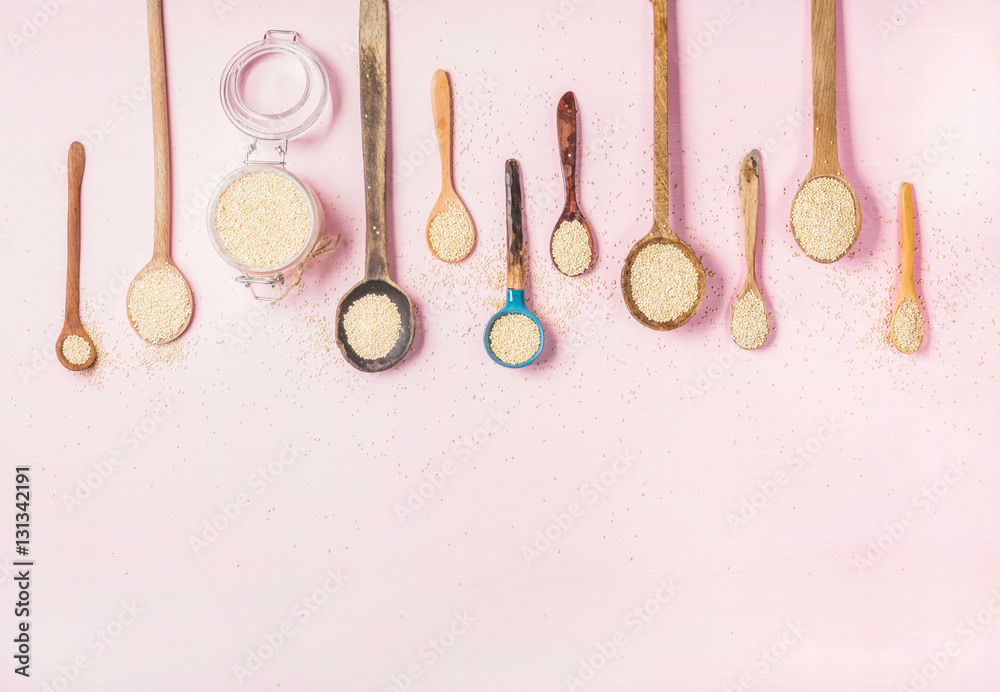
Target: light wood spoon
441, 106
72, 326
749, 208
661, 232
907, 285
566, 124
826, 158
374, 58
161, 164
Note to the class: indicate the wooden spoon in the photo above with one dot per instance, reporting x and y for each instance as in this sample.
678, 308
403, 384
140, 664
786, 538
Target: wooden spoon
826, 160
907, 285
441, 106
161, 162
72, 326
566, 124
374, 58
661, 232
749, 207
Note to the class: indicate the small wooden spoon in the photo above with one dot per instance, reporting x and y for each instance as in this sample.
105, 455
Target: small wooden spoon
374, 57
161, 162
907, 285
72, 326
749, 207
826, 159
661, 232
441, 105
566, 124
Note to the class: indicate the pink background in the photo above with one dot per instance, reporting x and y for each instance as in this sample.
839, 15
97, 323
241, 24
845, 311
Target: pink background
706, 428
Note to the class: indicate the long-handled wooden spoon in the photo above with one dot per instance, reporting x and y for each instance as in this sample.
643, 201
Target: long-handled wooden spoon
71, 323
374, 57
575, 257
820, 210
459, 239
907, 320
750, 327
661, 233
159, 318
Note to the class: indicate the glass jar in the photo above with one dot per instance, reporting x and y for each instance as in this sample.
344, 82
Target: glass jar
273, 91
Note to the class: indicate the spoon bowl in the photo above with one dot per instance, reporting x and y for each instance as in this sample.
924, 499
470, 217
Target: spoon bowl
515, 306
404, 341
158, 263
656, 236
448, 199
566, 124
825, 172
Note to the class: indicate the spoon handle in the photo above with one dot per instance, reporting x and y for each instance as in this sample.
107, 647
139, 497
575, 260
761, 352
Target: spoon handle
441, 105
566, 124
749, 207
374, 57
75, 163
661, 141
161, 130
907, 232
515, 228
824, 65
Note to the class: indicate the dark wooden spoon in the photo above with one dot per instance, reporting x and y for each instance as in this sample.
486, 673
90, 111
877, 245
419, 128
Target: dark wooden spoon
566, 124
72, 326
374, 57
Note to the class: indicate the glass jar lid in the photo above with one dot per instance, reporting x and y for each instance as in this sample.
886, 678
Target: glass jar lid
274, 89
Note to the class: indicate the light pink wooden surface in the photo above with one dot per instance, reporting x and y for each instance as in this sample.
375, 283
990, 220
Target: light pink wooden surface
855, 430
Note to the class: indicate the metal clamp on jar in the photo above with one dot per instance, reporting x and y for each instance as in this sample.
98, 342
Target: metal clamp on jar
262, 219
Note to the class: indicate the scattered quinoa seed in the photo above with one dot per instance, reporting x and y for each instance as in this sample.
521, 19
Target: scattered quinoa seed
372, 325
571, 248
663, 282
159, 305
263, 220
450, 233
749, 325
908, 326
514, 338
824, 219
76, 350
